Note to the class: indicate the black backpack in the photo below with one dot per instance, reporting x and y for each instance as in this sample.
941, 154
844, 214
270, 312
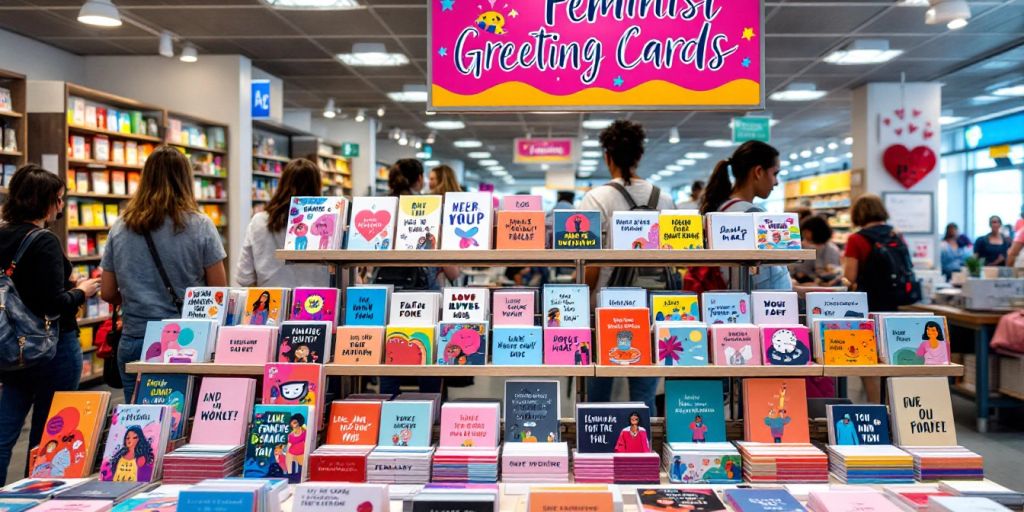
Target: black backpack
887, 276
403, 278
663, 278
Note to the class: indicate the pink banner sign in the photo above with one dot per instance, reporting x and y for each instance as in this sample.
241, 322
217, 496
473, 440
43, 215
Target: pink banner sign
576, 55
543, 151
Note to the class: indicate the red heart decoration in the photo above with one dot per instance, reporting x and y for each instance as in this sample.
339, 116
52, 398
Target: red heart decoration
928, 134
912, 128
922, 160
899, 131
886, 121
906, 166
899, 113
916, 112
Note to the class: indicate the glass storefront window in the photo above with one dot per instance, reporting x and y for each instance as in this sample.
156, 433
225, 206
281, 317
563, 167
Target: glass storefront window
995, 193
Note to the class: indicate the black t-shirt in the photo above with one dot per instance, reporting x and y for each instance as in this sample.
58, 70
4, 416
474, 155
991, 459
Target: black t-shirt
42, 277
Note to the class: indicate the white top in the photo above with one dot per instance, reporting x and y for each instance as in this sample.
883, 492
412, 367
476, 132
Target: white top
258, 266
607, 200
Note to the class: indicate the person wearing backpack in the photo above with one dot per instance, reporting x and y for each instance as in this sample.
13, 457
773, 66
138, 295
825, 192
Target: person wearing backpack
160, 246
623, 144
42, 280
878, 263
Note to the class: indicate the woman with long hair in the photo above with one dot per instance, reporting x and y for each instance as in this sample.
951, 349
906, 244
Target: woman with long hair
754, 169
133, 461
44, 283
443, 180
257, 264
185, 242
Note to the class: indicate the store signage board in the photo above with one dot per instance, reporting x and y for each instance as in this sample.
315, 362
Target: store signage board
595, 55
543, 151
912, 213
349, 149
751, 128
260, 99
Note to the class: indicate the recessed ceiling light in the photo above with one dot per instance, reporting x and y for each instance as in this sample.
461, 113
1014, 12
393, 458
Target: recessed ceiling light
848, 154
673, 136
313, 4
329, 109
588, 168
372, 55
793, 156
784, 163
591, 143
812, 165
1013, 90
445, 124
432, 163
863, 51
949, 118
655, 178
431, 138
495, 168
957, 24
798, 168
380, 111
805, 153
500, 172
985, 99
798, 91
591, 154
848, 141
479, 154
718, 143
467, 144
952, 13
697, 155
819, 150
588, 162
674, 167
597, 124
422, 154
189, 53
783, 173
830, 159
686, 161
833, 146
666, 173
411, 93
99, 13
403, 139
488, 162
545, 167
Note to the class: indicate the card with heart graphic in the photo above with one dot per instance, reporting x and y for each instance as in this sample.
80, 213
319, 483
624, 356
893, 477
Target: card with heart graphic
373, 223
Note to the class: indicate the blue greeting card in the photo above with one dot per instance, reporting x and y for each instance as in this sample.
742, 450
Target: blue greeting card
622, 298
725, 307
366, 305
762, 500
576, 229
858, 424
914, 340
566, 305
517, 345
681, 344
694, 411
406, 423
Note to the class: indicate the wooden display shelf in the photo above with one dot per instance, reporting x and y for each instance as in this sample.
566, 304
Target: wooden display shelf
93, 195
11, 153
708, 371
195, 368
597, 258
262, 174
894, 370
11, 114
199, 148
98, 164
373, 370
99, 131
93, 320
84, 259
273, 158
89, 228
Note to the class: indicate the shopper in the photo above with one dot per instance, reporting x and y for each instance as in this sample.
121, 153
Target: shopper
186, 245
1013, 257
878, 263
826, 268
993, 247
443, 180
257, 264
755, 168
623, 144
952, 254
695, 192
44, 282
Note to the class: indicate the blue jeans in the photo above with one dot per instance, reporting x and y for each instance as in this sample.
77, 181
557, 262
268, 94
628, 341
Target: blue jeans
129, 350
641, 389
33, 388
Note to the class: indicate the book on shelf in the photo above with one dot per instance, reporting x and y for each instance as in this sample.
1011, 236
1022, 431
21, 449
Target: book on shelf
419, 223
725, 308
566, 305
846, 342
245, 344
735, 345
279, 442
315, 304
367, 305
465, 304
222, 411
606, 428
67, 448
205, 303
730, 231
294, 384
316, 223
39, 488
179, 341
664, 499
681, 229
914, 340
576, 229
675, 306
681, 343
694, 411
622, 297
409, 345
786, 345
858, 424
568, 346
373, 223
359, 345
136, 443
470, 425
333, 496
514, 307
623, 336
264, 306
634, 230
922, 411
305, 341
532, 411
462, 343
406, 423
520, 229
467, 221
172, 389
777, 231
415, 308
521, 203
836, 305
354, 422
775, 307
517, 345
775, 411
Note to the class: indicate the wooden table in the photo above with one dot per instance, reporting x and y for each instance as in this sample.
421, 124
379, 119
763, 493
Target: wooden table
983, 324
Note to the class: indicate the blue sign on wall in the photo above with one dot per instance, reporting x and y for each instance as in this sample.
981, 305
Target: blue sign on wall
260, 99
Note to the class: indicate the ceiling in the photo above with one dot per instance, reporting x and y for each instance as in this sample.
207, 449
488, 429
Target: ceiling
298, 46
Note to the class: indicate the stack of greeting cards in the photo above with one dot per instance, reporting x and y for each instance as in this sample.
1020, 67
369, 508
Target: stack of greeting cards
305, 341
835, 305
984, 489
775, 308
634, 230
73, 427
922, 420
205, 303
850, 500
674, 307
410, 335
613, 444
264, 306
316, 223
762, 500
315, 305
566, 318
179, 341
735, 345
251, 494
295, 384
404, 448
622, 297
680, 343
515, 337
216, 447
419, 223
281, 438
913, 498
777, 446
360, 340
533, 450
521, 223
467, 451
860, 447
352, 432
681, 229
328, 497
696, 450
135, 444
963, 504
373, 223
659, 499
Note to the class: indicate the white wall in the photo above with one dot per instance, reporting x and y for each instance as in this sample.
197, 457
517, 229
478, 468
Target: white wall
388, 151
39, 61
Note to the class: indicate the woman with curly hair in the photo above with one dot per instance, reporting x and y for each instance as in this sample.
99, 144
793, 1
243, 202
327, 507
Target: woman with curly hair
133, 462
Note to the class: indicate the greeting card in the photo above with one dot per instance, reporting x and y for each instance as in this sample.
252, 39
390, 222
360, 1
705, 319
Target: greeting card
634, 230
467, 221
316, 223
681, 344
576, 229
419, 223
373, 223
681, 229
777, 231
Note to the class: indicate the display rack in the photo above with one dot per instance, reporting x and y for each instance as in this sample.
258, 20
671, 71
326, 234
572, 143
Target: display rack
13, 129
826, 194
380, 181
272, 149
336, 169
206, 145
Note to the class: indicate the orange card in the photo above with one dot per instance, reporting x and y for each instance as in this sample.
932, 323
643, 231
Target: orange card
570, 500
354, 422
775, 411
850, 347
358, 344
520, 230
624, 336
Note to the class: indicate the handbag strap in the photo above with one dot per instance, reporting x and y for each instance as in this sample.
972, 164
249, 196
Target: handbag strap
25, 243
160, 268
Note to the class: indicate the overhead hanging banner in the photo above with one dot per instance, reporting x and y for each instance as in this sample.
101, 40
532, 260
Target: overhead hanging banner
543, 151
583, 55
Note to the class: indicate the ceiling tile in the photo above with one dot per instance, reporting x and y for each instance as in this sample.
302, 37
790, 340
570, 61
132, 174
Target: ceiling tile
352, 22
826, 20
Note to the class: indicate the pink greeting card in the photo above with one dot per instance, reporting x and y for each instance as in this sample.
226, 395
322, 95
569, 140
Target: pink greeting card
245, 344
521, 203
514, 307
222, 410
570, 346
736, 345
469, 425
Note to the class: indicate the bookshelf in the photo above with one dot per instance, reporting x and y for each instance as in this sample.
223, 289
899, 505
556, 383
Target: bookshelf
380, 180
826, 194
272, 148
336, 170
205, 143
13, 127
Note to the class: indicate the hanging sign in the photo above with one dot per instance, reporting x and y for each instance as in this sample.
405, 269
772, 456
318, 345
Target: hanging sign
260, 99
543, 151
349, 149
751, 128
578, 55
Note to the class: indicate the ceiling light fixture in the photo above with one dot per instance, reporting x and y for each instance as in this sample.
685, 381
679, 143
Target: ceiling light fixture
591, 143
380, 111
479, 154
361, 115
819, 150
545, 167
697, 155
674, 167
324, 5
718, 143
833, 146
793, 156
686, 161
588, 162
953, 13
597, 124
372, 55
445, 124
798, 168
784, 163
655, 178
830, 159
588, 168
863, 51
848, 154
189, 53
467, 144
798, 91
666, 173
848, 141
673, 136
330, 110
805, 153
99, 13
422, 154
166, 45
812, 165
500, 173
1011, 91
431, 163
490, 162
496, 168
948, 117
417, 143
783, 173
431, 137
411, 93
403, 139
591, 154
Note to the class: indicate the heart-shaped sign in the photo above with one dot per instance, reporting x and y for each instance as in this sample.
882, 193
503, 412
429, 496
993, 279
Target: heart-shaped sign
886, 121
916, 112
899, 131
912, 127
900, 113
928, 134
909, 166
370, 224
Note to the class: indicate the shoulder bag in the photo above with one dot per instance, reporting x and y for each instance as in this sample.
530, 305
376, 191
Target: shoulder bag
25, 339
